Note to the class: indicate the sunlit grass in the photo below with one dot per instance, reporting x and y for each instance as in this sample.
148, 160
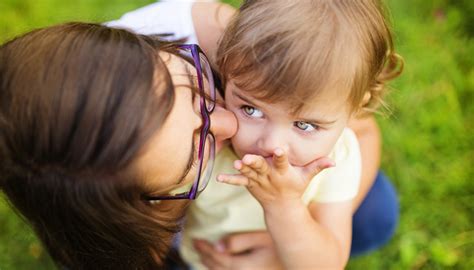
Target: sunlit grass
428, 142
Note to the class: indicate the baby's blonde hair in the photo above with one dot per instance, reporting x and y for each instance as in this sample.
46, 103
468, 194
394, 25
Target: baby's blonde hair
290, 51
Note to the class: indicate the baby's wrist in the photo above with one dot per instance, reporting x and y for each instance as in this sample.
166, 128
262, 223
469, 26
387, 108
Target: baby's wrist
283, 207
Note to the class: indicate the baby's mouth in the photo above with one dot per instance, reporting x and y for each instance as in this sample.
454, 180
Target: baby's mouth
269, 159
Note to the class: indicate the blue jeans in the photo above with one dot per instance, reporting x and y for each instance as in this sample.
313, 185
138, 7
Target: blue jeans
375, 221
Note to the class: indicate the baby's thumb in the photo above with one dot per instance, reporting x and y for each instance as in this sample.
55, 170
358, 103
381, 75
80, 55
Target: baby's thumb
316, 166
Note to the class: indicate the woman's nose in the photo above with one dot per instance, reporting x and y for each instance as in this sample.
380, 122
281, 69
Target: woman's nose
223, 124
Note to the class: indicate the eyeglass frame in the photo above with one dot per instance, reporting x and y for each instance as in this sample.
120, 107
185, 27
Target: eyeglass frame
192, 194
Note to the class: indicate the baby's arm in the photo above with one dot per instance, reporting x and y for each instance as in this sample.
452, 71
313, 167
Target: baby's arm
210, 20
313, 237
368, 136
274, 179
306, 237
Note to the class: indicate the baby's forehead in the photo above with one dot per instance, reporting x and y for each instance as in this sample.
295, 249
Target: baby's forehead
320, 106
294, 96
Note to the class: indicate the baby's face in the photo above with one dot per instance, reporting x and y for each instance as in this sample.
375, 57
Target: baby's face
263, 127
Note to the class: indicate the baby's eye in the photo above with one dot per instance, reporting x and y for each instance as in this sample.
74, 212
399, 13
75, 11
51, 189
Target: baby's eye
252, 112
305, 126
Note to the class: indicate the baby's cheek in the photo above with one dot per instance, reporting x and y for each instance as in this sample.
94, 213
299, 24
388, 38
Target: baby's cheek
246, 133
308, 154
305, 158
240, 143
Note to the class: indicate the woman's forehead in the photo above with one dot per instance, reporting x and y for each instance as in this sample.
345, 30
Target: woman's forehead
175, 63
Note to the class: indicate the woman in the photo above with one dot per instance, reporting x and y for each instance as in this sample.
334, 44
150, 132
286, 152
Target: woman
100, 131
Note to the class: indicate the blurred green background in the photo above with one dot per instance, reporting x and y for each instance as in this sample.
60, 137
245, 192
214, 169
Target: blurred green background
428, 137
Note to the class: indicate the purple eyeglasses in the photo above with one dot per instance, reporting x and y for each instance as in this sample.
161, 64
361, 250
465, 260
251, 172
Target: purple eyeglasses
207, 104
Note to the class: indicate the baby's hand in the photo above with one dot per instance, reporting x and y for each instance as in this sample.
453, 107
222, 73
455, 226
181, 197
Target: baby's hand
275, 179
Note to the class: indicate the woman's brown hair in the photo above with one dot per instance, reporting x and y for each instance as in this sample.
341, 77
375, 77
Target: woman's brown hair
77, 103
290, 51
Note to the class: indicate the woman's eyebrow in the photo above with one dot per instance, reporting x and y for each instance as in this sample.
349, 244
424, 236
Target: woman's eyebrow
189, 165
188, 72
191, 79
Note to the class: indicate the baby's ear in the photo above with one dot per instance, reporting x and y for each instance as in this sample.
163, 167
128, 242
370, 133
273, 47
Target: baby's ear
363, 109
366, 99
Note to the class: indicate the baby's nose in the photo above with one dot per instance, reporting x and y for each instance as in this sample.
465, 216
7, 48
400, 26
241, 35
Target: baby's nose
271, 140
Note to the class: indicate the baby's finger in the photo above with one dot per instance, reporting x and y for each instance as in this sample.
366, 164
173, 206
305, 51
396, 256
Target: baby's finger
233, 179
315, 167
257, 163
280, 159
244, 169
238, 164
249, 172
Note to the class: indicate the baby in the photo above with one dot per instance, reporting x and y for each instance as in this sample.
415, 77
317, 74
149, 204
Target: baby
295, 73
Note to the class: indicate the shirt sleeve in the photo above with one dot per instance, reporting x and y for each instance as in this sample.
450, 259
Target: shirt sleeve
339, 183
170, 18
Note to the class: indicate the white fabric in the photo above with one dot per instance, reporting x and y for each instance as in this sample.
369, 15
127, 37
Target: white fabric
165, 17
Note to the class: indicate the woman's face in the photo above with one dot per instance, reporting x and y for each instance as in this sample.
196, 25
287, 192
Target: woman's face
169, 159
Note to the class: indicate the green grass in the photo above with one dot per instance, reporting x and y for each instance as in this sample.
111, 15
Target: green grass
428, 141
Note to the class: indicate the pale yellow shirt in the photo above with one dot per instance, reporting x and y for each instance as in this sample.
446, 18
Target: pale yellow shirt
222, 209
